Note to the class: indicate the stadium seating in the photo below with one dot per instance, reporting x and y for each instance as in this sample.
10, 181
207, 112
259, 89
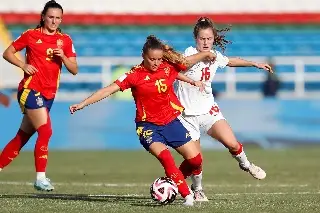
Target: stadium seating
246, 41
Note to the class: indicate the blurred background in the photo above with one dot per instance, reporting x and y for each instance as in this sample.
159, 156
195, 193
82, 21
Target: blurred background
268, 111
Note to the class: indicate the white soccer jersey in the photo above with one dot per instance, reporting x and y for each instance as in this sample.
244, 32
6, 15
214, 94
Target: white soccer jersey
194, 101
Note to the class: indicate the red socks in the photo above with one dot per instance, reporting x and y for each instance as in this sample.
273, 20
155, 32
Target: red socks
173, 172
12, 149
191, 166
238, 151
41, 147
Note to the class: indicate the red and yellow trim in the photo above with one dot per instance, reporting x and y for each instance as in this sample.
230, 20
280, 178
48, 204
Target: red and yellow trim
176, 107
26, 84
23, 99
144, 116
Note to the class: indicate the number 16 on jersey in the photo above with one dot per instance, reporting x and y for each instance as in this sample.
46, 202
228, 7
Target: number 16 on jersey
205, 74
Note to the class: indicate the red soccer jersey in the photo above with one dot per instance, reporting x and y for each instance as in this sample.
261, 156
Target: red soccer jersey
152, 93
39, 53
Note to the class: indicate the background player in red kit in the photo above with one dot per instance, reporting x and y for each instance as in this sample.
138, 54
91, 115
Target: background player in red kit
4, 100
157, 117
46, 49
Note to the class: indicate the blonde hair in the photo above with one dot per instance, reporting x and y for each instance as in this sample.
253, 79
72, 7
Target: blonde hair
169, 54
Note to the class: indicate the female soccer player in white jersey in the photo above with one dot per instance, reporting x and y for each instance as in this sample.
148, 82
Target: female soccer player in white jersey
201, 110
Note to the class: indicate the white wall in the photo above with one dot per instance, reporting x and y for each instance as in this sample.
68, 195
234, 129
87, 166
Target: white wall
167, 6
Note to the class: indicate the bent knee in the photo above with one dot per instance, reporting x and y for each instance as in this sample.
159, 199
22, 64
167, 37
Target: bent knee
45, 131
196, 162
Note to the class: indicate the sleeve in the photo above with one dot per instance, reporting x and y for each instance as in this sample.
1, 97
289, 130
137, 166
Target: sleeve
69, 49
22, 41
190, 51
222, 60
127, 80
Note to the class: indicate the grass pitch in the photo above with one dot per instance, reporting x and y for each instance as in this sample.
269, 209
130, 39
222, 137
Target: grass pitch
118, 181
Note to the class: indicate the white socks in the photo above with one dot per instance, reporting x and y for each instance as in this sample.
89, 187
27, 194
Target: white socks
188, 200
41, 175
242, 159
197, 181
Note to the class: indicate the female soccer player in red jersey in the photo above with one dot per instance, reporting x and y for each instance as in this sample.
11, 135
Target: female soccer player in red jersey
157, 117
47, 48
205, 114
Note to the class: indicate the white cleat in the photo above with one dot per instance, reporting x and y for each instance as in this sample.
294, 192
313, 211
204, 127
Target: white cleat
188, 200
43, 185
255, 171
198, 195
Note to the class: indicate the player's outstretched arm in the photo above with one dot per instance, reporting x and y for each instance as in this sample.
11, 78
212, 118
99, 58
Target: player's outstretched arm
184, 78
239, 62
95, 97
201, 56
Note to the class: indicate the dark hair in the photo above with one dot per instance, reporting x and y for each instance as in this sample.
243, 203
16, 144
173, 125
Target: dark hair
219, 34
49, 4
169, 54
152, 43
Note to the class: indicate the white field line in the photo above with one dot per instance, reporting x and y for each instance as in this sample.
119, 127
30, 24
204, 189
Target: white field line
17, 183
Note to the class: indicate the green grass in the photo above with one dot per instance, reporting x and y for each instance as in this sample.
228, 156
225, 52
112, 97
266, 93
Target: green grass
118, 181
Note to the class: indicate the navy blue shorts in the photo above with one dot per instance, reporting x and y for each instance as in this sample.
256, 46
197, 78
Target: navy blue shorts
31, 99
174, 134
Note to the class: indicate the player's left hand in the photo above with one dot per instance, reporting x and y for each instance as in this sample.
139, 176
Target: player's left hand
76, 107
266, 67
58, 52
199, 84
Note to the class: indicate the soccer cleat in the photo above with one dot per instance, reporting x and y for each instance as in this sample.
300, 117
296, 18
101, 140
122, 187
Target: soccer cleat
255, 171
188, 200
199, 195
43, 185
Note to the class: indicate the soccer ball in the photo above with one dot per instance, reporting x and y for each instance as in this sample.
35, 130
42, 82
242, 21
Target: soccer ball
163, 190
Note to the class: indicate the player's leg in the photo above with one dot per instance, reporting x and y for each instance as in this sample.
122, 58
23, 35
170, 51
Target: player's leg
36, 109
153, 142
24, 133
179, 138
219, 129
12, 149
192, 125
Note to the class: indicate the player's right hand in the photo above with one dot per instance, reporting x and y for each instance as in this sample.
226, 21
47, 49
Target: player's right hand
76, 107
29, 69
199, 84
211, 56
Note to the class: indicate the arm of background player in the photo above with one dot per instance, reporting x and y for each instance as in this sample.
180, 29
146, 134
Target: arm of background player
4, 100
20, 43
71, 64
239, 62
193, 59
184, 78
69, 57
95, 97
9, 55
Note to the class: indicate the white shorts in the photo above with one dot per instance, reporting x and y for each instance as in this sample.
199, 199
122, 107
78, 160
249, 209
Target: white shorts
193, 123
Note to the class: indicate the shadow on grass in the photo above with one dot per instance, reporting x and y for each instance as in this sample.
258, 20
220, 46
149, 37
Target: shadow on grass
82, 197
133, 200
